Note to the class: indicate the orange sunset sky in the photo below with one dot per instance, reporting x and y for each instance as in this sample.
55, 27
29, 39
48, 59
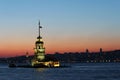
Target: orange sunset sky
68, 26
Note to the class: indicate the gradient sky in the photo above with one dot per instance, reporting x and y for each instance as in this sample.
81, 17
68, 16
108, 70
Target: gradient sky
68, 25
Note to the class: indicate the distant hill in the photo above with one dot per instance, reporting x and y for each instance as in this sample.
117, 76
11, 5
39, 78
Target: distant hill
107, 56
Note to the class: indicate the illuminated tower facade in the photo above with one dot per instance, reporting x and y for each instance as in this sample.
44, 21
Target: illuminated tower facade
39, 48
39, 54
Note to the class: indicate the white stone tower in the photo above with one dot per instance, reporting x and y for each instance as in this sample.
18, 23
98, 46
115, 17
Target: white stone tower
39, 48
39, 54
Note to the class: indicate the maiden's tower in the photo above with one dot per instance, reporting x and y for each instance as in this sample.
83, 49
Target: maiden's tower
39, 59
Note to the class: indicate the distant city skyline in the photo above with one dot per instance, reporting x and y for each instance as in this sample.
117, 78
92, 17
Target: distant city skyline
68, 25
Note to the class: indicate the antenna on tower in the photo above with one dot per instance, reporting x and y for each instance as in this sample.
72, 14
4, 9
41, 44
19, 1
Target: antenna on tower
39, 23
39, 27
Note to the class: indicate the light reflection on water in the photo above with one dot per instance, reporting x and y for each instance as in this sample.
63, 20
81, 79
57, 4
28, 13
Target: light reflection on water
40, 69
77, 71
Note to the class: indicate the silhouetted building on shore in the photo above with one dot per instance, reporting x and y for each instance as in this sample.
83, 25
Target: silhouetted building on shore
105, 56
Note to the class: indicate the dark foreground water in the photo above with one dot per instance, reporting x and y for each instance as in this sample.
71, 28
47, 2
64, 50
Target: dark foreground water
77, 71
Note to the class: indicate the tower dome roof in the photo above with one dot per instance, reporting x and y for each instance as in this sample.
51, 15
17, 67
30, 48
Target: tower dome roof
38, 42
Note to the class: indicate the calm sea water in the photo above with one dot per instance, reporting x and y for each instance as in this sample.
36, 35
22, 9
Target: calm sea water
77, 71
